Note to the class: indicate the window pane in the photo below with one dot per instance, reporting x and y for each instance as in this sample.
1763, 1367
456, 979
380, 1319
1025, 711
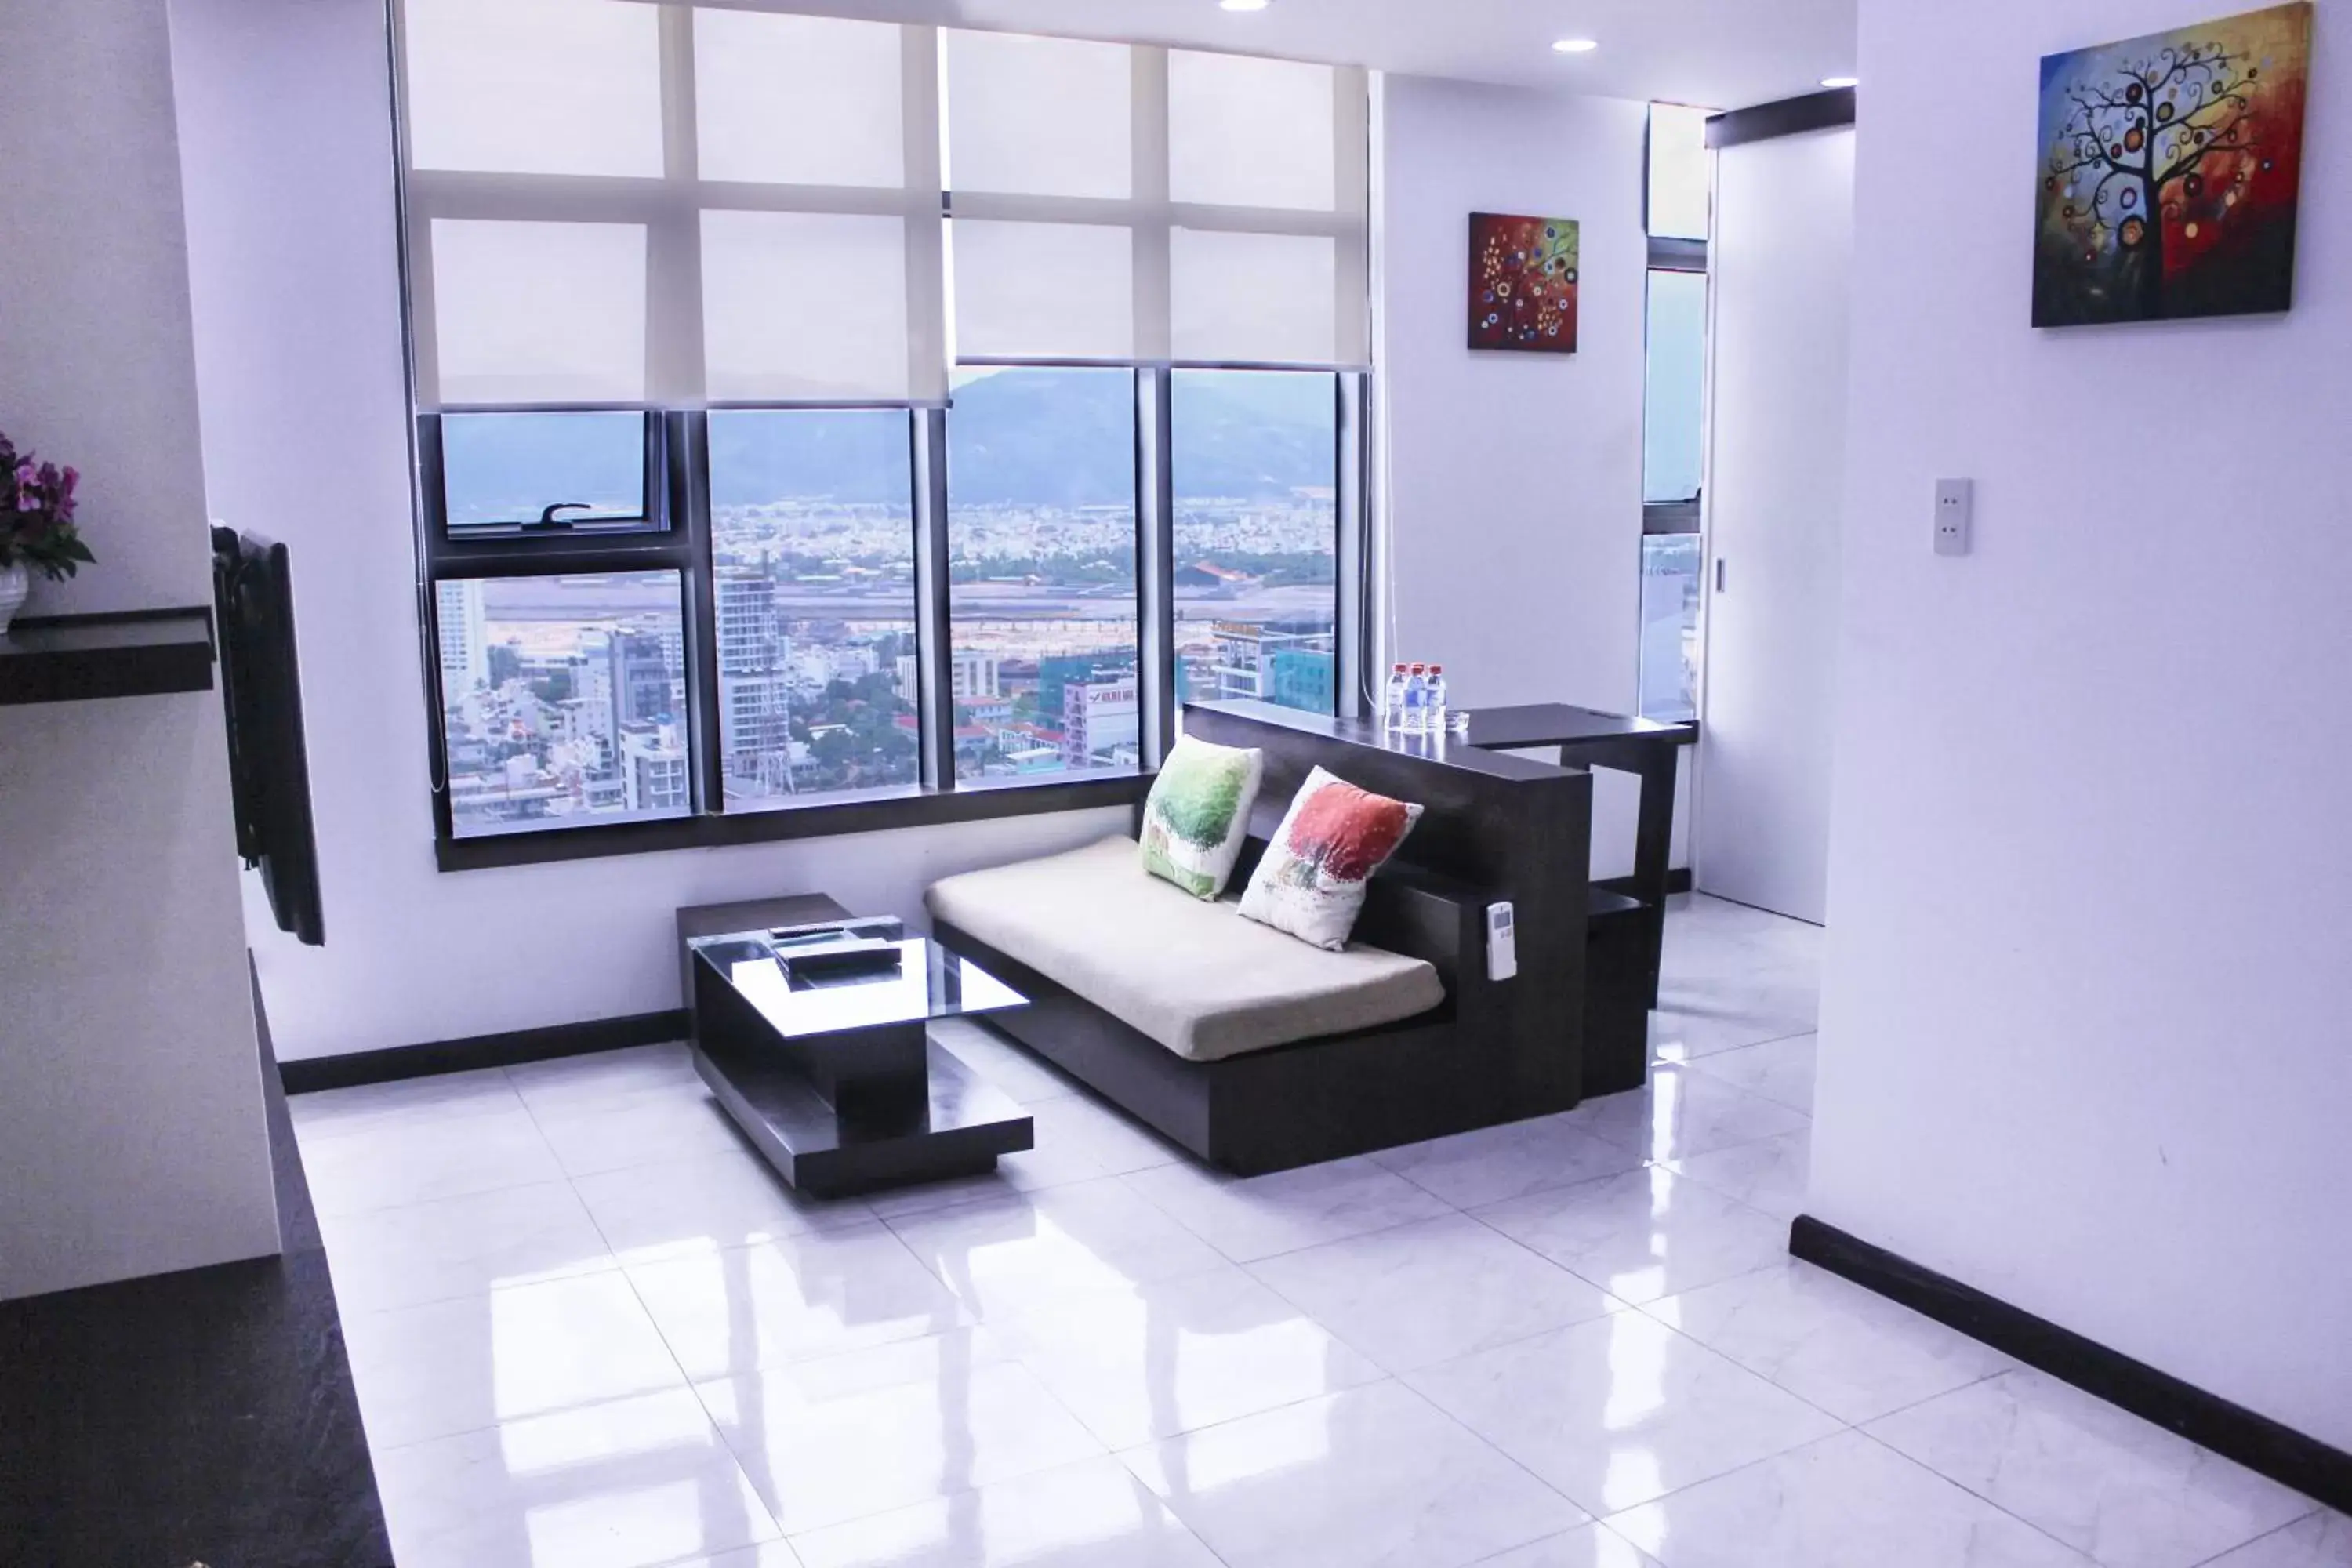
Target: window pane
812, 554
1043, 291
1041, 536
1256, 472
1679, 172
1249, 133
1270, 299
498, 86
1674, 406
539, 312
1671, 573
506, 469
1039, 117
798, 101
803, 306
563, 699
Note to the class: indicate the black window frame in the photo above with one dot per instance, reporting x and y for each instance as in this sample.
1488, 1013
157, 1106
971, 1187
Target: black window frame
1672, 255
1350, 393
694, 491
681, 539
655, 514
1667, 254
1684, 517
941, 675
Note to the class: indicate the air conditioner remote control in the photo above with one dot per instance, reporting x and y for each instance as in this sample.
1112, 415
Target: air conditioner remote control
1502, 944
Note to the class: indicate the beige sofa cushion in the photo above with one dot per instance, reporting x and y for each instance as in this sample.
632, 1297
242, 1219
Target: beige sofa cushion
1195, 976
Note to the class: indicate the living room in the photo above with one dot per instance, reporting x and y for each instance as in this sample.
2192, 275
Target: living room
1657, 1016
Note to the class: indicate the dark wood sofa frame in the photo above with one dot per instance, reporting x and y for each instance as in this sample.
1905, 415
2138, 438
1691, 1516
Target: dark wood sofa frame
1494, 828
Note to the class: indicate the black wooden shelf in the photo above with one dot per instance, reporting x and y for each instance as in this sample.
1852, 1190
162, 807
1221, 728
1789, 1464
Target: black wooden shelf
125, 653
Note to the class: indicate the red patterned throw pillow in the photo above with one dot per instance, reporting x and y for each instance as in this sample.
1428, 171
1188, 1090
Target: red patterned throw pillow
1334, 835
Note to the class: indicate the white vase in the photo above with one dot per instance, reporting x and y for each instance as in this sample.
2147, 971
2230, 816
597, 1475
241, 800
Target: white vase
15, 583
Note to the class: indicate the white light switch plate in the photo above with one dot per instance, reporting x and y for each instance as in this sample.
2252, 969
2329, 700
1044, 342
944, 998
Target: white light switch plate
1955, 516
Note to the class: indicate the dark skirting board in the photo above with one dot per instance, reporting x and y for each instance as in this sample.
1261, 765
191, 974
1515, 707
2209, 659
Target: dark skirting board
310, 1075
206, 1416
1678, 880
2291, 1458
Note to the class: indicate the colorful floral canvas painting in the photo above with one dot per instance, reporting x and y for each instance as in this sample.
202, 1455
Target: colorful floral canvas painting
1523, 283
2170, 166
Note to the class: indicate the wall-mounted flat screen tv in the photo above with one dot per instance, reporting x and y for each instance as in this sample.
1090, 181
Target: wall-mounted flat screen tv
253, 591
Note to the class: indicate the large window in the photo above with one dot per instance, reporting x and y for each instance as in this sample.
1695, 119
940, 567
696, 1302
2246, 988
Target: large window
878, 386
812, 578
1254, 455
563, 699
1042, 563
1674, 413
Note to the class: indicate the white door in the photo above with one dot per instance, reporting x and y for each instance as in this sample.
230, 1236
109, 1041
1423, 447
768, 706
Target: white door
1781, 256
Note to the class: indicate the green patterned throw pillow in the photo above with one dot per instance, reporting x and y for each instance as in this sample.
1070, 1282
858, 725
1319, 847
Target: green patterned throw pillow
1198, 814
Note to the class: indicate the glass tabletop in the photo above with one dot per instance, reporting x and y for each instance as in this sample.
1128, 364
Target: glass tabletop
930, 982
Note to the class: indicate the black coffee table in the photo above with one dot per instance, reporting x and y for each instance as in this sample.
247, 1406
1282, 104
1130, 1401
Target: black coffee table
837, 1081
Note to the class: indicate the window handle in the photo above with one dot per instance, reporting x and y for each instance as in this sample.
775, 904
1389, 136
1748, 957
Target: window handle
548, 520
1718, 573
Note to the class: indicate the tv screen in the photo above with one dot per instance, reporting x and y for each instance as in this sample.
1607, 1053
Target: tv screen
261, 687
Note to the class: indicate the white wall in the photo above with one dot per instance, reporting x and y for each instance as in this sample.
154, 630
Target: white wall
1514, 481
131, 1139
1518, 499
2084, 1028
285, 115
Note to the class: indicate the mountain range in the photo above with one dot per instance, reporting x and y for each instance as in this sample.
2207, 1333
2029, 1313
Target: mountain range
1045, 437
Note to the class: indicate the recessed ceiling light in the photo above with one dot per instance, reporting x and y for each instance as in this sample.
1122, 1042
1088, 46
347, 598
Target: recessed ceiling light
1575, 46
1243, 4
1836, 82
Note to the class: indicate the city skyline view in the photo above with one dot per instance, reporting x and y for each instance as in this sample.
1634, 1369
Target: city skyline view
813, 579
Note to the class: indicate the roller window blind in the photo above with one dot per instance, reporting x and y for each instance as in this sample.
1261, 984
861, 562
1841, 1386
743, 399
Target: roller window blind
1252, 133
1043, 291
539, 313
612, 201
804, 307
799, 100
618, 202
1131, 202
1254, 298
534, 87
1040, 117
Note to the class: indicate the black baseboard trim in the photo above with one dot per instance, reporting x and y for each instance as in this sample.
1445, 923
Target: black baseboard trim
1678, 880
2284, 1455
398, 1062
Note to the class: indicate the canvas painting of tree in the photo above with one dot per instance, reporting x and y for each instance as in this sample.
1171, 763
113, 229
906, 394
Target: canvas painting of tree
2170, 166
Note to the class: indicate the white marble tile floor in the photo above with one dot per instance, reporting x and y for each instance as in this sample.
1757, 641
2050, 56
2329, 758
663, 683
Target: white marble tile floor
590, 1330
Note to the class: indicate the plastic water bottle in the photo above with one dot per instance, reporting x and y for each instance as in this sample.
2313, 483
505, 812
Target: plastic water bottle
1392, 701
1432, 707
1416, 701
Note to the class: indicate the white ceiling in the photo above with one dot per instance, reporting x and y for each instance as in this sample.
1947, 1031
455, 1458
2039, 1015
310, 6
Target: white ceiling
1724, 54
